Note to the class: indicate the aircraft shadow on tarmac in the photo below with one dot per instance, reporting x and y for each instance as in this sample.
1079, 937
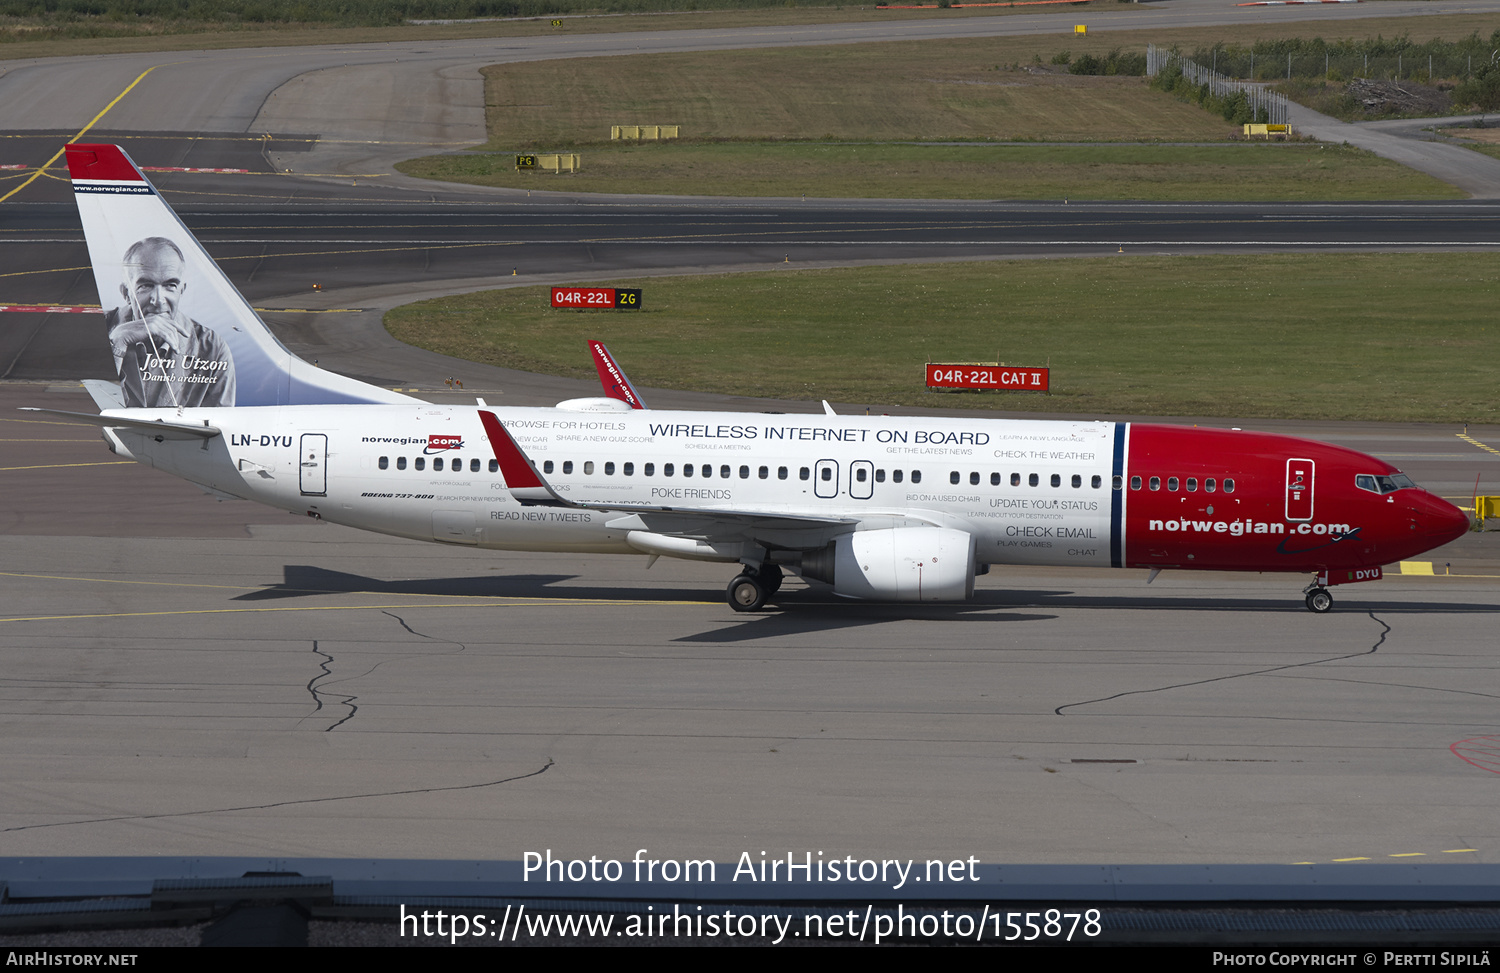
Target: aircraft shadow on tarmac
304, 580
800, 611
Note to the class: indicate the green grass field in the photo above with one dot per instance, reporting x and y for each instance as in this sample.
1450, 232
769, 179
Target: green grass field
765, 122
1244, 171
1369, 336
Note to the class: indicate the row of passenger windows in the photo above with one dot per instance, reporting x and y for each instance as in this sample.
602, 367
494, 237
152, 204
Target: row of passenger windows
706, 471
1032, 479
1190, 484
726, 472
453, 463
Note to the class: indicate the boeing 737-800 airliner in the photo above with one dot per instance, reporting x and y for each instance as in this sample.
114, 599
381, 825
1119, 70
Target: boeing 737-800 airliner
876, 507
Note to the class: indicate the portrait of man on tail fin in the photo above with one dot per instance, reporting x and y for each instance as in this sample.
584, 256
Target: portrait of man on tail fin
163, 357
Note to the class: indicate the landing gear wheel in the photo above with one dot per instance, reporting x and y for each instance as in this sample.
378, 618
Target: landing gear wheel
746, 593
770, 576
1319, 601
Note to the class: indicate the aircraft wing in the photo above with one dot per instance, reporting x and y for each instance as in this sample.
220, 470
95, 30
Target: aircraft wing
159, 428
527, 485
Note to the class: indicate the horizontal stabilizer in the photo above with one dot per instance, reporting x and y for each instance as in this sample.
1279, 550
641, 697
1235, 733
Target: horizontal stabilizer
151, 427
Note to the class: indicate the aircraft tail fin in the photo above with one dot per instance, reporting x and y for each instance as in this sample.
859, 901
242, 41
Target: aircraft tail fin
612, 377
181, 334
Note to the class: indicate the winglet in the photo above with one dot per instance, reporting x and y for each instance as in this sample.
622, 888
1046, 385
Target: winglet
521, 476
612, 377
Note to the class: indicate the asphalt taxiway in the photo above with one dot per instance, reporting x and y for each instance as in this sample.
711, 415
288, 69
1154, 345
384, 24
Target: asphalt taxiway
186, 676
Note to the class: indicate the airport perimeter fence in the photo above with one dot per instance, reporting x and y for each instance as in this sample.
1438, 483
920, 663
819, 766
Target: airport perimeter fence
1268, 106
1335, 67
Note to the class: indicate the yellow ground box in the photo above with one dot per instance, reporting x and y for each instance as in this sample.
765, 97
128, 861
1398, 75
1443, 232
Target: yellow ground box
647, 133
559, 162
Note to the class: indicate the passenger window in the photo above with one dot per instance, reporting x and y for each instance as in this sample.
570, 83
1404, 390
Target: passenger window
1032, 480
804, 473
495, 466
916, 476
1228, 485
628, 469
547, 466
1015, 479
650, 469
474, 465
400, 462
723, 472
860, 475
1078, 481
1208, 485
953, 477
1192, 484
781, 472
385, 462
667, 469
1172, 483
687, 469
567, 466
973, 479
827, 474
1057, 479
419, 464
708, 471
880, 476
994, 479
609, 469
1156, 483
588, 468
1135, 483
437, 465
765, 472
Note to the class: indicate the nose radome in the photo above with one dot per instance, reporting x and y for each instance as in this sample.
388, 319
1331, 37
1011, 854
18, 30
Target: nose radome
1439, 519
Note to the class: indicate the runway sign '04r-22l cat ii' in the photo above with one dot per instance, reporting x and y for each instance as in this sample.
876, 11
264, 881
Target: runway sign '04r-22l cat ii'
884, 507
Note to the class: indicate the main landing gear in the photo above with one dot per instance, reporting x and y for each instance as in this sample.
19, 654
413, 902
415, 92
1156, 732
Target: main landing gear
1319, 600
749, 591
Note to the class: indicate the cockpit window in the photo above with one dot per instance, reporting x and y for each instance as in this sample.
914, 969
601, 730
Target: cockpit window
1383, 484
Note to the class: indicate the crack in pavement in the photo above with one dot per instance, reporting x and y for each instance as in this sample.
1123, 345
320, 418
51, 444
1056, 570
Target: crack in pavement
317, 691
348, 700
1237, 675
276, 804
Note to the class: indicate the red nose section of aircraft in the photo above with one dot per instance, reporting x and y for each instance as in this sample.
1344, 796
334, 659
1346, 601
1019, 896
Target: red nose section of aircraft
1231, 500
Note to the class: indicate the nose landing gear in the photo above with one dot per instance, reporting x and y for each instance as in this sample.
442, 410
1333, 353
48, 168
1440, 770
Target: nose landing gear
1319, 600
749, 591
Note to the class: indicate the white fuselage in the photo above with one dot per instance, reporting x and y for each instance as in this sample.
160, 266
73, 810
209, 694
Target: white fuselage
1029, 491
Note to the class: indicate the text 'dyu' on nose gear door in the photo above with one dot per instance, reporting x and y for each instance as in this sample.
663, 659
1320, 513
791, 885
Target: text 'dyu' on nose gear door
312, 461
1299, 489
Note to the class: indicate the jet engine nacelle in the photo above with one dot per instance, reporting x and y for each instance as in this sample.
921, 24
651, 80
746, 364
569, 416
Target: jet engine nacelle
897, 564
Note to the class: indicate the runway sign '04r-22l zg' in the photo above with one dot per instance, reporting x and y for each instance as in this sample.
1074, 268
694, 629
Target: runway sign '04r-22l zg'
877, 507
597, 298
